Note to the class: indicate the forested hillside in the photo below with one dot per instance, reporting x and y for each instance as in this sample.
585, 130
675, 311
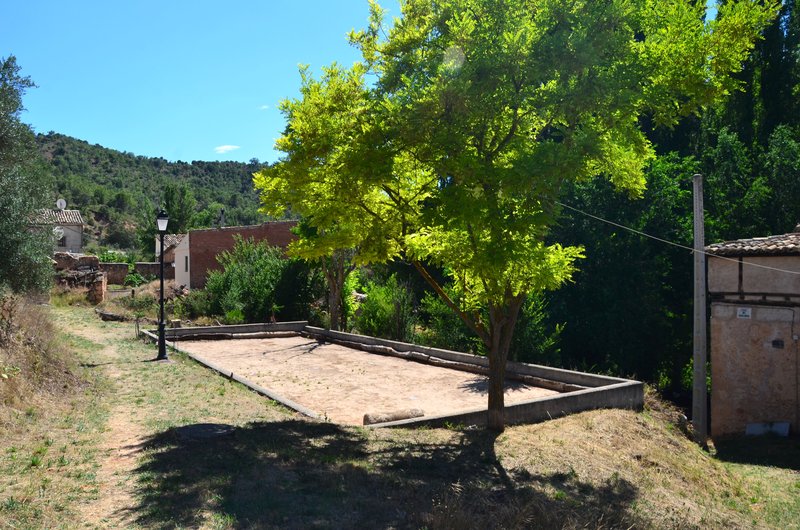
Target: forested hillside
118, 192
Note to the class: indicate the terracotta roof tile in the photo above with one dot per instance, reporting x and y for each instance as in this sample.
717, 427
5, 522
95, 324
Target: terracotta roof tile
172, 240
60, 217
782, 245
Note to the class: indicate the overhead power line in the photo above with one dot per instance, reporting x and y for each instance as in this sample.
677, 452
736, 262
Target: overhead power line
667, 242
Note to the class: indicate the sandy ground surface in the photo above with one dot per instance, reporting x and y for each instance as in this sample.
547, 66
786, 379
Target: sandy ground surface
342, 384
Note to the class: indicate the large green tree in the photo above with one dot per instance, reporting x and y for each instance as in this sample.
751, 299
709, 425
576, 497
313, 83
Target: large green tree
480, 112
180, 204
25, 247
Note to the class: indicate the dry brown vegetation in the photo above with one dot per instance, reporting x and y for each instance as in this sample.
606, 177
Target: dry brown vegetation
35, 371
135, 462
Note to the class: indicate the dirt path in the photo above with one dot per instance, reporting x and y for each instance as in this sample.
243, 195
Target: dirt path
121, 444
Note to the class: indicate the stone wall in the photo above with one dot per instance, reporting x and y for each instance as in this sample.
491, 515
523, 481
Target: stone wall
64, 261
151, 269
115, 272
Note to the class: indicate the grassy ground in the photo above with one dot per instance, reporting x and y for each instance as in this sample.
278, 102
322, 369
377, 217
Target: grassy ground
600, 469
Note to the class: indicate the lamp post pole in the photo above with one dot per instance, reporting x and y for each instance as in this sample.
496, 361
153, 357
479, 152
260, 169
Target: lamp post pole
162, 221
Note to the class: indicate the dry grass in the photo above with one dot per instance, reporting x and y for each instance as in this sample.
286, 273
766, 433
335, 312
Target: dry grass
49, 420
35, 369
600, 469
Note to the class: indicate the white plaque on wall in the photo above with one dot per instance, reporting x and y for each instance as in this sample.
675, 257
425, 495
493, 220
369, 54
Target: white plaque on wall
744, 312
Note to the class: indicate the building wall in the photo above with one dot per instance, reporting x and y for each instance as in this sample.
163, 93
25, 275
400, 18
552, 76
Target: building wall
205, 245
738, 276
73, 239
755, 322
182, 262
754, 365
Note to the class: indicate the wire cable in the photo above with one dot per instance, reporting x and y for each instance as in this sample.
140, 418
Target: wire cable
665, 241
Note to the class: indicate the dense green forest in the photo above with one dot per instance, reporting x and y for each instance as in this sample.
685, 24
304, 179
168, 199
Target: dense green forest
118, 192
629, 309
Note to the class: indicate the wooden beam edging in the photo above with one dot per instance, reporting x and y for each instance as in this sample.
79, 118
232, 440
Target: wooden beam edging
238, 329
286, 402
628, 395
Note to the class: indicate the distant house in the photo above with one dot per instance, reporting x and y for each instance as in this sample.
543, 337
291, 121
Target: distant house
171, 241
68, 227
754, 286
195, 255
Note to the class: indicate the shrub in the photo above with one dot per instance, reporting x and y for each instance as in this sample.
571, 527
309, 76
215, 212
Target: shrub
112, 256
533, 341
443, 329
195, 304
258, 283
141, 303
134, 279
387, 311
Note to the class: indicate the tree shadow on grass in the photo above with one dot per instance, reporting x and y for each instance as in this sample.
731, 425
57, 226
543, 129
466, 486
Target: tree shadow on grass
769, 450
299, 474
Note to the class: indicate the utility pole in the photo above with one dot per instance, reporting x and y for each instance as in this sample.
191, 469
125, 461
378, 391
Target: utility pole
699, 390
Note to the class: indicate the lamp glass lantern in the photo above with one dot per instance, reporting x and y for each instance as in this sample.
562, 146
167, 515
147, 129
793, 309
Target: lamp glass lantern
161, 220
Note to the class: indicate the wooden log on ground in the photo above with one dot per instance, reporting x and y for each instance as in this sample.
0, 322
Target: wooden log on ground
371, 419
107, 316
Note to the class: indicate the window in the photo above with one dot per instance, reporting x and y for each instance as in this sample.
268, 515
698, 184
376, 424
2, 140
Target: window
186, 264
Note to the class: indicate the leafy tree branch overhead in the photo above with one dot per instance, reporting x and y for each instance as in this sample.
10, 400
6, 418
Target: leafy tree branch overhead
475, 115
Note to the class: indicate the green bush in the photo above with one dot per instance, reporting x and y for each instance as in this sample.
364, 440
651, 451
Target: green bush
112, 256
533, 340
387, 311
134, 279
443, 329
257, 283
140, 303
195, 304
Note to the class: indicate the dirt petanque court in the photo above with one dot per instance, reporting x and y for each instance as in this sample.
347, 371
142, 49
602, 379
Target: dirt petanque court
342, 384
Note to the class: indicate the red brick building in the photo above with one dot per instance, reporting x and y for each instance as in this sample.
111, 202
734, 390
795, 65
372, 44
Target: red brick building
196, 254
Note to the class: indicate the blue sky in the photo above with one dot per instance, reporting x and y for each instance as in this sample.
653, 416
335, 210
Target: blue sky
176, 79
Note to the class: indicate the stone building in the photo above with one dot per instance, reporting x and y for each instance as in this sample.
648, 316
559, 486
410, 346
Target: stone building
195, 255
68, 227
754, 286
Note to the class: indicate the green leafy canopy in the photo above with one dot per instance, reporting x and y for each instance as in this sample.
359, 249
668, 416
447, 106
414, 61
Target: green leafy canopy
476, 114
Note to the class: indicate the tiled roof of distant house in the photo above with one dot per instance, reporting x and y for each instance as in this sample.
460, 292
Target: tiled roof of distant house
172, 240
60, 217
782, 245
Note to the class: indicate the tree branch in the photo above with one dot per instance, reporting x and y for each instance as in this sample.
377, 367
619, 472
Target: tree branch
472, 323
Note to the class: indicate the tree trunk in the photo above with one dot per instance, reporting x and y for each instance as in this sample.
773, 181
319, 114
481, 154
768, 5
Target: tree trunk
334, 305
497, 339
502, 321
329, 266
336, 269
497, 376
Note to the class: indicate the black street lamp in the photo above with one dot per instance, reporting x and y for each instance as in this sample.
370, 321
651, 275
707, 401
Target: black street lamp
162, 219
